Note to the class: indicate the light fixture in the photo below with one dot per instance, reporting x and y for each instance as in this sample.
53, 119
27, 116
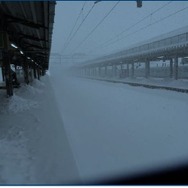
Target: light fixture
139, 3
21, 52
13, 45
97, 1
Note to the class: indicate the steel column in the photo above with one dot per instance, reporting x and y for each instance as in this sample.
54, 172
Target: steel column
38, 73
115, 70
176, 68
147, 69
127, 70
99, 71
26, 73
132, 70
171, 68
3, 72
8, 73
34, 71
106, 67
6, 57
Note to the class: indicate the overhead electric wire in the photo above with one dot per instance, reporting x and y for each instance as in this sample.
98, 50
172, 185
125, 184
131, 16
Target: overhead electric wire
102, 20
75, 24
79, 26
154, 12
160, 20
132, 26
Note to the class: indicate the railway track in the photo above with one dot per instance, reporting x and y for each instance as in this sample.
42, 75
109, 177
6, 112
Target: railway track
150, 86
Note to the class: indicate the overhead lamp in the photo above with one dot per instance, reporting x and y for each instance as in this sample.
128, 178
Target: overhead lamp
21, 52
13, 45
97, 1
28, 58
139, 3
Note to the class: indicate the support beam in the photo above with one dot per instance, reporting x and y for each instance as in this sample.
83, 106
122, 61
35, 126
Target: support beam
127, 70
115, 70
91, 71
3, 73
8, 73
34, 71
38, 73
171, 68
43, 72
132, 70
31, 37
99, 71
176, 68
6, 56
121, 70
88, 71
26, 70
106, 68
147, 69
14, 19
121, 67
94, 71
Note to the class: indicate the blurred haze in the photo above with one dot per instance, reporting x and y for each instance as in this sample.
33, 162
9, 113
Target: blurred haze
88, 40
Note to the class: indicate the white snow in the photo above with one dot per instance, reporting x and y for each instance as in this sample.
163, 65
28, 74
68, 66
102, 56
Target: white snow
119, 129
69, 130
168, 82
33, 144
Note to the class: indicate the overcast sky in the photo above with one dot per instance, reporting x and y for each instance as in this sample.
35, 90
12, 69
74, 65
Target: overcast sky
122, 18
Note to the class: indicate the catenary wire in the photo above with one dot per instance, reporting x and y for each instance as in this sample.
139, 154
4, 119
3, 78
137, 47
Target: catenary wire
132, 26
92, 31
158, 21
79, 27
68, 38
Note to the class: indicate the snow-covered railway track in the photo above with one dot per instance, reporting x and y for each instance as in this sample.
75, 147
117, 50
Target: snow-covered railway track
150, 86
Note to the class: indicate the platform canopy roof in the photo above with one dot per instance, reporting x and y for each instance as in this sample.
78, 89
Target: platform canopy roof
29, 25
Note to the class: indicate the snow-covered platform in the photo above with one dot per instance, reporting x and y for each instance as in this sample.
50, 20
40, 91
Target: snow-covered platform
67, 130
34, 148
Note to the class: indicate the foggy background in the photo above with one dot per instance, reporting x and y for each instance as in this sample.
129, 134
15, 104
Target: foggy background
64, 129
85, 29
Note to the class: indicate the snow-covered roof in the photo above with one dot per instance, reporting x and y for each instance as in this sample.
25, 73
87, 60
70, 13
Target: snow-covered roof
158, 38
161, 37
